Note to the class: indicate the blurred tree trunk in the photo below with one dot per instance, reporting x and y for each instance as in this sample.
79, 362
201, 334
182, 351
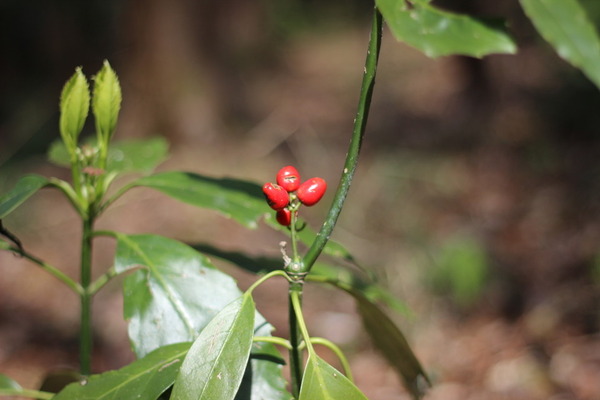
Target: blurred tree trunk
182, 64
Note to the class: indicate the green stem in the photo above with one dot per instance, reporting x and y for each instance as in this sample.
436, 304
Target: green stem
76, 174
360, 123
297, 307
58, 274
116, 196
296, 359
102, 280
338, 352
85, 334
33, 394
274, 340
294, 236
266, 277
71, 194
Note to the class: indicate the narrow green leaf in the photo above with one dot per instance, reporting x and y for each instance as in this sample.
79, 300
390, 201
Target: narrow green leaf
74, 108
145, 378
8, 387
215, 364
106, 102
24, 189
438, 33
7, 383
353, 281
237, 199
566, 26
385, 334
133, 155
392, 344
175, 293
324, 382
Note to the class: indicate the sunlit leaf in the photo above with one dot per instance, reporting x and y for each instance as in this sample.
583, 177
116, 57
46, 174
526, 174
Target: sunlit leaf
324, 382
173, 295
24, 189
566, 25
145, 378
215, 364
438, 33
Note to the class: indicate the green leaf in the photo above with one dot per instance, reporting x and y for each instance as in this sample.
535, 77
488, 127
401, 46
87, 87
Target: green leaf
133, 155
237, 199
566, 26
141, 155
324, 382
461, 269
215, 364
438, 33
145, 378
392, 344
175, 293
592, 9
24, 189
352, 281
58, 154
74, 108
106, 102
8, 387
7, 383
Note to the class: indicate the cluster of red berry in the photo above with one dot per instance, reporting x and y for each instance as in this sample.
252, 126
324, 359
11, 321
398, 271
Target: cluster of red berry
283, 197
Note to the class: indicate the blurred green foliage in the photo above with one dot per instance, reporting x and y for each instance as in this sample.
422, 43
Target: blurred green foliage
461, 270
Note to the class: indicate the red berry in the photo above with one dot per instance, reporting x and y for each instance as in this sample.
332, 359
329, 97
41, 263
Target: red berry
284, 217
288, 178
276, 196
311, 191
